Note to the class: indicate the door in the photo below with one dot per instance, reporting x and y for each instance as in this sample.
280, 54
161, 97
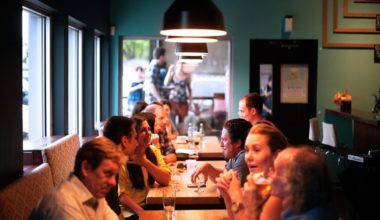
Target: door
284, 72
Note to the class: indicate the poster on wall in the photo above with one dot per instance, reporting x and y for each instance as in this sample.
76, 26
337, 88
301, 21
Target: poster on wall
294, 83
266, 74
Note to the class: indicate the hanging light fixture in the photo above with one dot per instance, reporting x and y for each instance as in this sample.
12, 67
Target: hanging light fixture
190, 59
191, 49
193, 18
180, 39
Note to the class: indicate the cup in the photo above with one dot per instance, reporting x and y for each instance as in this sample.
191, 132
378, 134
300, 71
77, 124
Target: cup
168, 202
191, 165
263, 185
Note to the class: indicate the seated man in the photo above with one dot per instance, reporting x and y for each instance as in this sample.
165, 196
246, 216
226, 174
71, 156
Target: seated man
81, 195
233, 137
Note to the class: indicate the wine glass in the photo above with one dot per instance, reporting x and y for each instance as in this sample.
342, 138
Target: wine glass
199, 181
175, 180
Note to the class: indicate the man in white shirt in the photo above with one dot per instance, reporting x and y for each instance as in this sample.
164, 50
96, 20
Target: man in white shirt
81, 195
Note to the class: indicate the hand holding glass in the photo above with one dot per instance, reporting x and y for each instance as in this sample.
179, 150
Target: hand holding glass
200, 180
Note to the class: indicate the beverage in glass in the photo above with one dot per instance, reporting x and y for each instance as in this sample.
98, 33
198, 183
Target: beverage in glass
168, 201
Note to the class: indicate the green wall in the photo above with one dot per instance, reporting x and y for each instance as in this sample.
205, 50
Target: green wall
338, 69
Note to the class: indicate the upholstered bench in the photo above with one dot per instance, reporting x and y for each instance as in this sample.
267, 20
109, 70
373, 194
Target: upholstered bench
19, 198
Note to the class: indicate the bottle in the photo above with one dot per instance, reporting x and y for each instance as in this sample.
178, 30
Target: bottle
190, 136
201, 133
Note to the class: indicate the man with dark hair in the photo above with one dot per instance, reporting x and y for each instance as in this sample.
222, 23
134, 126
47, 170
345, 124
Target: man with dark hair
233, 137
250, 108
121, 130
156, 73
81, 195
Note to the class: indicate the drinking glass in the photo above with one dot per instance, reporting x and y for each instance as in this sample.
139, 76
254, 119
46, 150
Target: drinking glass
199, 181
168, 201
263, 184
175, 180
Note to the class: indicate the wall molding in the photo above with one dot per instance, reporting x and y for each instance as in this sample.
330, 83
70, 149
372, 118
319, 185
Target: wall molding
336, 29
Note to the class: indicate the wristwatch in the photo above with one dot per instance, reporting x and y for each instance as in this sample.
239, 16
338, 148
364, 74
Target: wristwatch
236, 206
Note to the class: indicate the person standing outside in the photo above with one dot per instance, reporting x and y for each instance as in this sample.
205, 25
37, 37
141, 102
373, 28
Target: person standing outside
155, 76
180, 96
136, 92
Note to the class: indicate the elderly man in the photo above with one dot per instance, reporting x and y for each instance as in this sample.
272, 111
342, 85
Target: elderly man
250, 108
81, 195
166, 146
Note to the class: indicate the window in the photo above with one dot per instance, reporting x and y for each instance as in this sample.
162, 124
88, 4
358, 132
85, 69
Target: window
35, 75
97, 82
75, 81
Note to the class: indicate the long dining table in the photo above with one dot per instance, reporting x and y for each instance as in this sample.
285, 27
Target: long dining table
209, 149
186, 197
214, 214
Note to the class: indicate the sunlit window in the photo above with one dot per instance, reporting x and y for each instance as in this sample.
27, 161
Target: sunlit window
75, 81
35, 75
97, 82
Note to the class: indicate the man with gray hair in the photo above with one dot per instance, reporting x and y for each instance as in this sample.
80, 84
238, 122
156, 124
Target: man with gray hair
82, 194
166, 147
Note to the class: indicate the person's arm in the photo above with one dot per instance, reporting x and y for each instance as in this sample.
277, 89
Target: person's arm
190, 91
136, 87
124, 199
160, 172
130, 204
154, 91
170, 158
208, 170
169, 75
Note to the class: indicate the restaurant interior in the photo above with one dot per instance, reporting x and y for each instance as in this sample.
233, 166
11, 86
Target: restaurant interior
330, 47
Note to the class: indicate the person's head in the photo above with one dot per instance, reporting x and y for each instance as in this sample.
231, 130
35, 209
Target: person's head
143, 131
262, 145
233, 136
159, 54
150, 118
156, 109
250, 106
139, 107
97, 163
166, 107
301, 179
140, 72
121, 130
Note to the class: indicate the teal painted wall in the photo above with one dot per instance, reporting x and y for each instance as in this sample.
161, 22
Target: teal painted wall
338, 69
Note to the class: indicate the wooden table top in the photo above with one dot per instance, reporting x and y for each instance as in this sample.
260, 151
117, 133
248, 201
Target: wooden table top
214, 214
186, 195
209, 150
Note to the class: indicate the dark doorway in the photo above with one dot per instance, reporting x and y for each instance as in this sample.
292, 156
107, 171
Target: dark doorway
291, 66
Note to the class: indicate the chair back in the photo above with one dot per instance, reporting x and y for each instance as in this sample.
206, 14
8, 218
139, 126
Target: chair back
314, 131
18, 199
61, 156
329, 135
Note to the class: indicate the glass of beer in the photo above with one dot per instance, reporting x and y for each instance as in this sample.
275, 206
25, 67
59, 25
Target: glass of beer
263, 184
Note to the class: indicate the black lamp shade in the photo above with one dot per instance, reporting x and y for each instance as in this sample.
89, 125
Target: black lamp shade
199, 18
191, 49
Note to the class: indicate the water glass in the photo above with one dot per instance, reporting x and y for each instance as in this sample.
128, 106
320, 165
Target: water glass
199, 181
168, 201
175, 179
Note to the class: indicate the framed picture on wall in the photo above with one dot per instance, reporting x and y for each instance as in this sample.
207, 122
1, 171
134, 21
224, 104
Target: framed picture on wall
294, 83
377, 53
266, 88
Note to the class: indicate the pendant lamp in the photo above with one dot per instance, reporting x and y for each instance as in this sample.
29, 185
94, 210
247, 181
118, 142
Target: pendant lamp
190, 59
191, 49
181, 39
193, 18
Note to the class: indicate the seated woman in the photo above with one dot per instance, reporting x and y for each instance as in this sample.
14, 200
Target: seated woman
144, 168
263, 144
233, 137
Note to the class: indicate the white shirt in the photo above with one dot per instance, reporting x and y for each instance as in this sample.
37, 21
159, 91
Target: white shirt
72, 200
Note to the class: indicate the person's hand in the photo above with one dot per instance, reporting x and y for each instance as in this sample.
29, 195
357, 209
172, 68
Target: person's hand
224, 180
202, 169
251, 195
140, 86
229, 185
139, 157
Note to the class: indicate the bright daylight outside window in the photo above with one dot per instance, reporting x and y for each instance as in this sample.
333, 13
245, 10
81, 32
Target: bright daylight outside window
97, 82
35, 75
209, 79
75, 81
